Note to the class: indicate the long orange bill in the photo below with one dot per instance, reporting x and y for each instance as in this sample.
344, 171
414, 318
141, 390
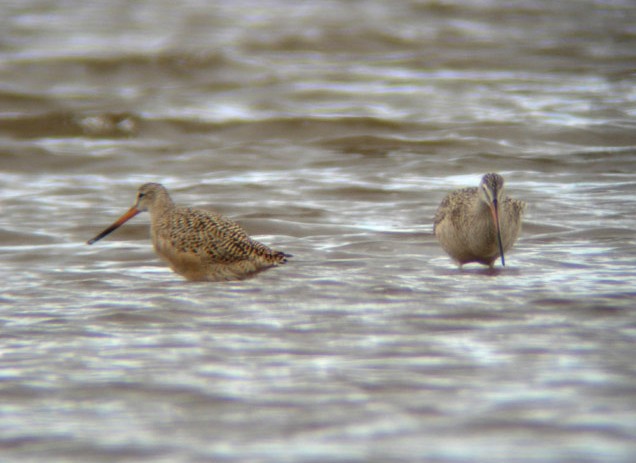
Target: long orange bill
495, 217
133, 211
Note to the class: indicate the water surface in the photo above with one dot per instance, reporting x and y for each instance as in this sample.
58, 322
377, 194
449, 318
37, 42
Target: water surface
330, 130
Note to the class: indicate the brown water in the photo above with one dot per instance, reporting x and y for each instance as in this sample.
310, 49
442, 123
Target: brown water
330, 130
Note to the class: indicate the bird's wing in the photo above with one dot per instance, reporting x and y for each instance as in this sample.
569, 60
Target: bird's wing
210, 235
452, 202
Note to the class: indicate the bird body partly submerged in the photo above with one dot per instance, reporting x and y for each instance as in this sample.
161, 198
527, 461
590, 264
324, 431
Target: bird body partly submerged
478, 224
198, 244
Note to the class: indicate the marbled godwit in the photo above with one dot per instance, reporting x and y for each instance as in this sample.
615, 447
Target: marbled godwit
198, 244
478, 224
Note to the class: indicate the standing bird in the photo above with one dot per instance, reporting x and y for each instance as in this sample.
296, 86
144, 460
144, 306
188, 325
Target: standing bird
478, 224
198, 244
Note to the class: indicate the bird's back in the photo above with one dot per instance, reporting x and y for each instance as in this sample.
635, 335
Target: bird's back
453, 208
203, 245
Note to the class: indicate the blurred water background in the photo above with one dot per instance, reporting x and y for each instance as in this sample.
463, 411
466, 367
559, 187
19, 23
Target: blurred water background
330, 130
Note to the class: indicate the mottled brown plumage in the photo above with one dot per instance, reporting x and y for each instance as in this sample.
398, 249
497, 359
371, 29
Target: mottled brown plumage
478, 224
198, 244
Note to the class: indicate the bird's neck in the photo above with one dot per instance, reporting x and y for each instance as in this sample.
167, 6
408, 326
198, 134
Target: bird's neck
161, 205
479, 206
481, 211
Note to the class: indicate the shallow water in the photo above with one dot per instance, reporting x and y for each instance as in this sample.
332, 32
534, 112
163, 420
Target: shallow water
330, 130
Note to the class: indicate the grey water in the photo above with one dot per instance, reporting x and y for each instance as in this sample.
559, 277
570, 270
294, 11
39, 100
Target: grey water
331, 131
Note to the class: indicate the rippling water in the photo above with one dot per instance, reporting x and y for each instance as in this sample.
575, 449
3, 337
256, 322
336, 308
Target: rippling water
330, 130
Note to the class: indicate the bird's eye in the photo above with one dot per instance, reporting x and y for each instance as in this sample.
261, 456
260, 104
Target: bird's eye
141, 195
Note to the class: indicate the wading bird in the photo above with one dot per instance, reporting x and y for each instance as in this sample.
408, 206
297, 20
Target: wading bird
478, 224
198, 244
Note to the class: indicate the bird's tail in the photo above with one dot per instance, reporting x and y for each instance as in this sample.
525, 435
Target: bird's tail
281, 257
